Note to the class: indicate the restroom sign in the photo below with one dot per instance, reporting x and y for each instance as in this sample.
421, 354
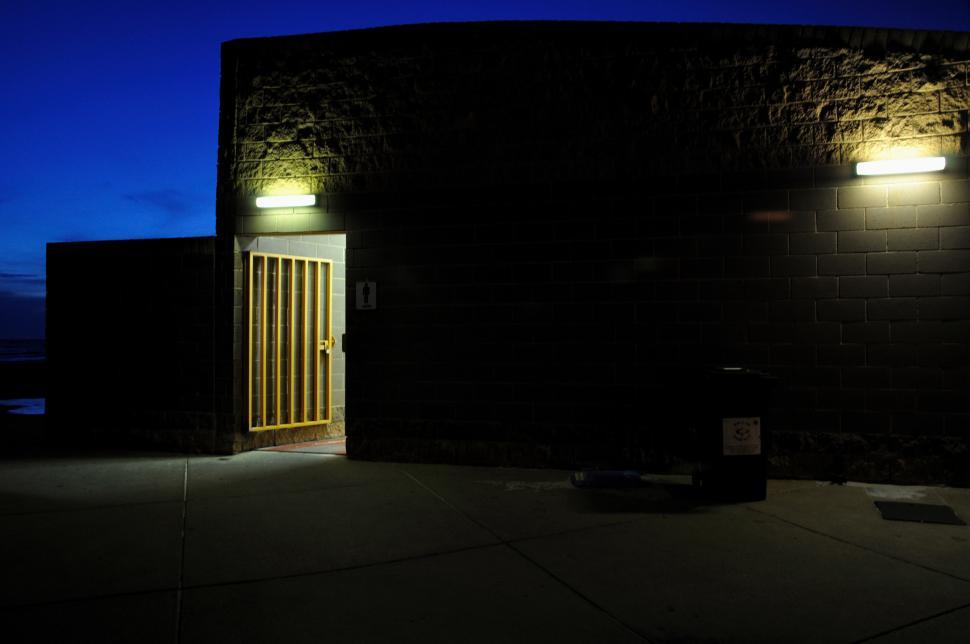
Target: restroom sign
742, 436
366, 296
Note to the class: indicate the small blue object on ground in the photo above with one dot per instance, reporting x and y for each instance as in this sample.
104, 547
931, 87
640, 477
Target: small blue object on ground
606, 478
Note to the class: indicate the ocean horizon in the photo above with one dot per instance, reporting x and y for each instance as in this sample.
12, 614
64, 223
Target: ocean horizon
24, 406
22, 350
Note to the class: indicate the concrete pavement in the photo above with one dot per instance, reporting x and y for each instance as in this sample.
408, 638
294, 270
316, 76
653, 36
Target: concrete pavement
294, 546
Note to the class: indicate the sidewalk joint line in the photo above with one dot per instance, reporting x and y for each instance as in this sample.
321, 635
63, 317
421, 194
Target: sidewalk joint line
922, 620
329, 571
241, 582
108, 506
859, 546
589, 600
451, 505
511, 546
178, 593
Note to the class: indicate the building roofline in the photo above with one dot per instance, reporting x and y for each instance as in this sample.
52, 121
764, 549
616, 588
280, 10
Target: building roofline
708, 33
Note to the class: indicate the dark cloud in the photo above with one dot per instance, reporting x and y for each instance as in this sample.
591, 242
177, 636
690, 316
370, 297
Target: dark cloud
174, 203
21, 316
22, 278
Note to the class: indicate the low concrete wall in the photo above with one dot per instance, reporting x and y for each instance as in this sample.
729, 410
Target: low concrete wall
130, 343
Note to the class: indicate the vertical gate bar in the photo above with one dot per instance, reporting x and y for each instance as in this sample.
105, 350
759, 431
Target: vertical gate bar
290, 344
303, 334
262, 344
277, 366
316, 343
328, 384
250, 341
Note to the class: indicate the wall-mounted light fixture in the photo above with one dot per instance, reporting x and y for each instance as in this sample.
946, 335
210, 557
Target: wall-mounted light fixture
286, 201
900, 166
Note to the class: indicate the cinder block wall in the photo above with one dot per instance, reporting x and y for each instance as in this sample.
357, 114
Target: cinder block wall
130, 343
569, 221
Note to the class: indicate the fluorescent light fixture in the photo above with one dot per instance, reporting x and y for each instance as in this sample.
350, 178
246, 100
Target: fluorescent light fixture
286, 201
901, 166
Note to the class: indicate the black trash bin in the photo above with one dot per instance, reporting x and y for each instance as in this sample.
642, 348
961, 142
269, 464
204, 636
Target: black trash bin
732, 436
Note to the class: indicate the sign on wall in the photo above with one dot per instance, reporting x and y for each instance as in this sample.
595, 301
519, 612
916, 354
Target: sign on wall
366, 296
742, 436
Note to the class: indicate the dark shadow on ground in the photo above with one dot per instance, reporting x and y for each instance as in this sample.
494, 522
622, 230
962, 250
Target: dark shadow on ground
647, 498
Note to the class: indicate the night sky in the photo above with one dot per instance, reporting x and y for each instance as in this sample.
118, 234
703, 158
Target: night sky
109, 111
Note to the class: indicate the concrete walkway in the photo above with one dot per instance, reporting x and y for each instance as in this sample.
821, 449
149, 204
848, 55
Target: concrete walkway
298, 546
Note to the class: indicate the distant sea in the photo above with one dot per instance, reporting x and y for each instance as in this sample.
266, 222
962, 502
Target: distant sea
24, 406
21, 350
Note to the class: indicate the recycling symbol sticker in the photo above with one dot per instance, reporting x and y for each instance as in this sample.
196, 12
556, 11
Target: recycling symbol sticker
742, 436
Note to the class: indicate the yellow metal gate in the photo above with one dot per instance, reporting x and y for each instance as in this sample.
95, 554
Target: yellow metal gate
288, 341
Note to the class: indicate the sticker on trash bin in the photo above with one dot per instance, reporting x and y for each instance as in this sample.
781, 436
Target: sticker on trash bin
742, 436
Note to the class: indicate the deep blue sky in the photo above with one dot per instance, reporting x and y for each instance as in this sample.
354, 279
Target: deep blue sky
109, 110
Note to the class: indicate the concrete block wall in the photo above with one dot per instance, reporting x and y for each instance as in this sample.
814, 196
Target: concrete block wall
482, 105
568, 222
131, 351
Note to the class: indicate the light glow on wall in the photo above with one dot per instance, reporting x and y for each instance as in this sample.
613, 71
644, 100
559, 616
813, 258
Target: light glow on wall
900, 166
286, 201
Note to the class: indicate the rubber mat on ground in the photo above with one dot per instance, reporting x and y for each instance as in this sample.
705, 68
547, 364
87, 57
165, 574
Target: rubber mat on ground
920, 512
329, 446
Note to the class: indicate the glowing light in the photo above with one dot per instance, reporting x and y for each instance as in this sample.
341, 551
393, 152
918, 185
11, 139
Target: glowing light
286, 201
901, 166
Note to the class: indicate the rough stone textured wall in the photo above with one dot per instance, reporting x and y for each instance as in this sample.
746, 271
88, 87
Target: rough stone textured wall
483, 105
130, 343
568, 221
